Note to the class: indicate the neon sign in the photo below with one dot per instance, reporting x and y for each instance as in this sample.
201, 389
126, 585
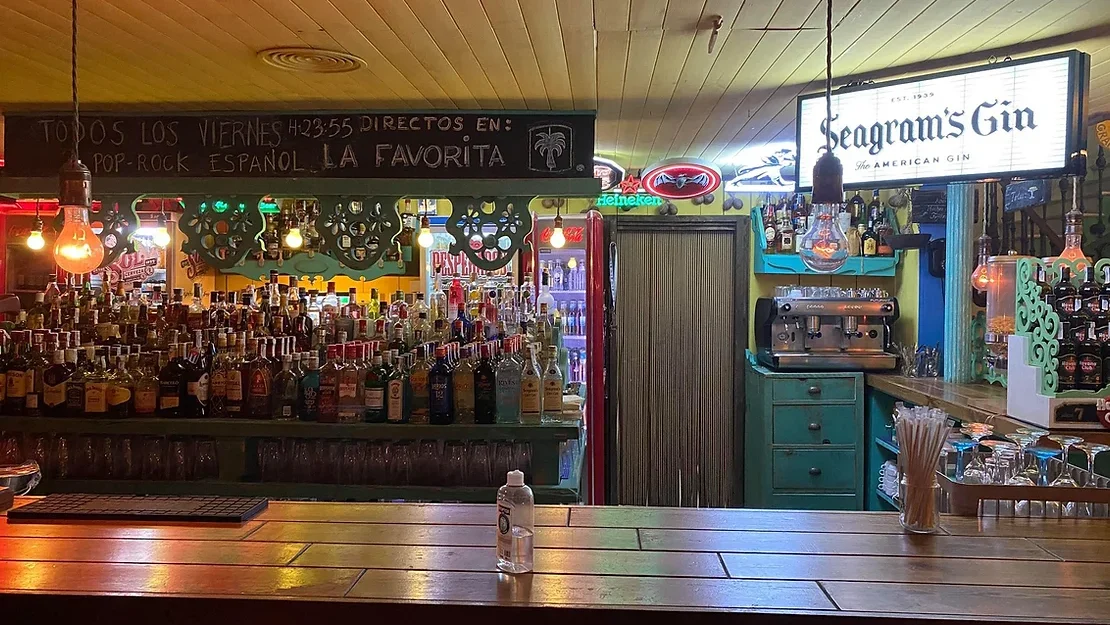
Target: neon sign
680, 179
574, 234
626, 201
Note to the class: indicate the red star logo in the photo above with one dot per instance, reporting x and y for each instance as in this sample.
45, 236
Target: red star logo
630, 185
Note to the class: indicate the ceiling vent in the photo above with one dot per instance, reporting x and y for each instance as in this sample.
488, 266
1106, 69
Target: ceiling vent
311, 60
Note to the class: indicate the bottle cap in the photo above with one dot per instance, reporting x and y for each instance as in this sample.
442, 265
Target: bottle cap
515, 478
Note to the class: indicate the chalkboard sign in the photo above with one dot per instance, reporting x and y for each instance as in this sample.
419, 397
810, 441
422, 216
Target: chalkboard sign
1027, 193
442, 144
930, 206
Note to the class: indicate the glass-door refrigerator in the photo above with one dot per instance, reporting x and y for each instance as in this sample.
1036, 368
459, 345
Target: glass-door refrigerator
565, 268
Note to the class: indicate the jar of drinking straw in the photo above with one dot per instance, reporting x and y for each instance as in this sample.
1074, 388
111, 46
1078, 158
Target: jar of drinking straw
921, 436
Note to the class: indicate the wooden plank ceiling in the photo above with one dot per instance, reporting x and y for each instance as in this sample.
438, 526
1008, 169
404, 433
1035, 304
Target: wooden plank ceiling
643, 65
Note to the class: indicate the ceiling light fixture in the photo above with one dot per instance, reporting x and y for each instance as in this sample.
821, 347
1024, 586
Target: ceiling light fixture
425, 239
34, 239
77, 249
311, 60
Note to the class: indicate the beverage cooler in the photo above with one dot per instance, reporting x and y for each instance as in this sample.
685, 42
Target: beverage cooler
565, 271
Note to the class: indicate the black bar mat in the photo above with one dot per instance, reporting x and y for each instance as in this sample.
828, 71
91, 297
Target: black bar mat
77, 507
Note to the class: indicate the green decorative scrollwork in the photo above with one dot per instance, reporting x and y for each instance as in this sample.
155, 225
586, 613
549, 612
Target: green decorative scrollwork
117, 220
1038, 322
489, 231
222, 231
358, 231
979, 346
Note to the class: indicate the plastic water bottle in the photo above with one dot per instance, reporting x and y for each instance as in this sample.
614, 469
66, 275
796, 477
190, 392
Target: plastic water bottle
515, 531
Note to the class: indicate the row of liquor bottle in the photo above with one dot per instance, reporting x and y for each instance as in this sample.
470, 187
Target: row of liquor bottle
143, 319
569, 276
1084, 331
865, 225
224, 374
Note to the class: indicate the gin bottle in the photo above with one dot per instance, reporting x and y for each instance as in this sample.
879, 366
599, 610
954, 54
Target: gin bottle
508, 379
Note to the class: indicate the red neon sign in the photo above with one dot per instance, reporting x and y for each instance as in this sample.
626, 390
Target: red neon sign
680, 179
573, 234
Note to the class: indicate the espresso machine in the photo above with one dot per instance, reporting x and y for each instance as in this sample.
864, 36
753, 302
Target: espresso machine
826, 329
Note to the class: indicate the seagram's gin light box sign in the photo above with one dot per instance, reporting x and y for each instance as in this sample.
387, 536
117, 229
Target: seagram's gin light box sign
1016, 118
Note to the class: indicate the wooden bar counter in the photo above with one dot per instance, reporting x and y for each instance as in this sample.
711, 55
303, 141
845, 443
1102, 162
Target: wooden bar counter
335, 562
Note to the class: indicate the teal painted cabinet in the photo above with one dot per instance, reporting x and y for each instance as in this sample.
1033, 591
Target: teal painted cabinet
803, 440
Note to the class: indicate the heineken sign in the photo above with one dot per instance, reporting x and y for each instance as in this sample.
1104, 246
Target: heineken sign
1019, 118
627, 201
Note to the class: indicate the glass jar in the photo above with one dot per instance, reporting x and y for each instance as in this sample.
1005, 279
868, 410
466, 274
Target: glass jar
920, 511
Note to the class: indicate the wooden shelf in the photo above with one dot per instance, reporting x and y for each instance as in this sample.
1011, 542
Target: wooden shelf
886, 444
886, 498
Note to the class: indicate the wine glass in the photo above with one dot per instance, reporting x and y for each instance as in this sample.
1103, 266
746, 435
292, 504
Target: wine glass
1092, 450
976, 471
1065, 442
961, 445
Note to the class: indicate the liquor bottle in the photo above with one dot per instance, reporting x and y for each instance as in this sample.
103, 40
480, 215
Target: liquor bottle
121, 390
377, 381
441, 405
463, 387
1067, 296
1088, 292
217, 389
785, 240
347, 314
172, 384
485, 388
328, 399
770, 231
552, 387
15, 399
54, 385
75, 387
545, 293
351, 405
285, 391
329, 309
1046, 294
36, 317
308, 393
196, 314
259, 385
96, 385
398, 343
855, 243
37, 364
1067, 358
396, 409
531, 389
419, 397
869, 241
196, 381
146, 385
235, 375
1088, 371
460, 326
508, 380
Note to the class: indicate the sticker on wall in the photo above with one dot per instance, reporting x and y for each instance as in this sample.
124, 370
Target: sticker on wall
680, 179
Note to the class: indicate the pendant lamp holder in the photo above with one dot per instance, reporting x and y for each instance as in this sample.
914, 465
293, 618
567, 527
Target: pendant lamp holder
828, 173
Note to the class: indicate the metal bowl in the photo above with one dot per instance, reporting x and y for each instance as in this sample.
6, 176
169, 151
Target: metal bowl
21, 478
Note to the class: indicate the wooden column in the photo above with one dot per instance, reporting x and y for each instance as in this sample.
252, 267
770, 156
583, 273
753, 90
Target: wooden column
959, 262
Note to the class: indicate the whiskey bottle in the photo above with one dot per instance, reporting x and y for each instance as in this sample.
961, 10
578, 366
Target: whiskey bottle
234, 376
146, 385
285, 391
396, 409
15, 398
1088, 372
1067, 358
54, 385
869, 241
172, 384
75, 387
96, 385
1067, 296
121, 389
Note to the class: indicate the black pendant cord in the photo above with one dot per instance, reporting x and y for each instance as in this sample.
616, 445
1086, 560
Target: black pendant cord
828, 73
1063, 206
73, 76
1100, 164
1040, 230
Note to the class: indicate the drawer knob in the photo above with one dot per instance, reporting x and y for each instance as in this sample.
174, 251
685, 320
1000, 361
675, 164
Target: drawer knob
814, 427
815, 390
814, 471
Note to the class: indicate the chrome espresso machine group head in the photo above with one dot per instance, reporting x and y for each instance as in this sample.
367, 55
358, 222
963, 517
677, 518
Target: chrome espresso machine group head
827, 333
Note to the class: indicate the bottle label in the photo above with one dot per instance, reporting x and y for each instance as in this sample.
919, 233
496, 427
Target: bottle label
118, 395
553, 395
328, 400
168, 402
32, 401
1089, 372
54, 394
464, 392
218, 384
440, 395
504, 531
348, 385
260, 384
96, 397
309, 397
199, 388
870, 247
287, 411
15, 384
530, 395
1068, 365
75, 396
234, 386
375, 397
396, 406
3, 386
146, 401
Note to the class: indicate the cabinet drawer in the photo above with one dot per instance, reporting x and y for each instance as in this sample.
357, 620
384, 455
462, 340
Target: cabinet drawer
815, 425
797, 501
814, 389
814, 469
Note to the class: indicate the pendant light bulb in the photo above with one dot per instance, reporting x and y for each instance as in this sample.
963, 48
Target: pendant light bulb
34, 239
425, 239
980, 278
558, 239
78, 250
162, 233
572, 262
294, 239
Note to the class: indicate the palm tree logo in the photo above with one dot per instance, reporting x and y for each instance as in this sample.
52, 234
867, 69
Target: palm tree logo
550, 142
